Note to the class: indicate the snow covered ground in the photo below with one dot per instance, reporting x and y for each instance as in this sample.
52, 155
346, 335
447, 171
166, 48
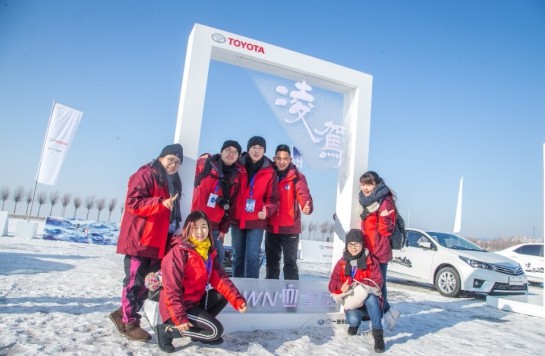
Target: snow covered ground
55, 298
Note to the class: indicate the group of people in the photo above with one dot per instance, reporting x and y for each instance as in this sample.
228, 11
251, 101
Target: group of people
242, 191
364, 263
252, 194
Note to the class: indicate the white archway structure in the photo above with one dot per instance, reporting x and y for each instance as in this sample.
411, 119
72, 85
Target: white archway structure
271, 302
206, 44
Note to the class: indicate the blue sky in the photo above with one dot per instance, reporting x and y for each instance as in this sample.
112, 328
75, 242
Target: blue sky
458, 90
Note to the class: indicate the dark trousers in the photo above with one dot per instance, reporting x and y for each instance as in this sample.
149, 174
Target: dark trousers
203, 317
275, 246
134, 290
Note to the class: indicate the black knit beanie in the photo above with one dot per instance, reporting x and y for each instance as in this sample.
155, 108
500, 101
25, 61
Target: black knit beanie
174, 149
257, 140
231, 143
354, 235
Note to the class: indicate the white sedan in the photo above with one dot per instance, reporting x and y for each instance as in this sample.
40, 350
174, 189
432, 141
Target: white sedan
454, 264
530, 257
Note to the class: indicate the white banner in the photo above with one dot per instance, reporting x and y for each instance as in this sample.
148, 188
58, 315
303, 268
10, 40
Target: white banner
63, 123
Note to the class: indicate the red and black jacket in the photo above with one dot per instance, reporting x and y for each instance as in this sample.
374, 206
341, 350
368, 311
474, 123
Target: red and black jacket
377, 230
372, 272
207, 181
185, 275
293, 195
263, 189
144, 226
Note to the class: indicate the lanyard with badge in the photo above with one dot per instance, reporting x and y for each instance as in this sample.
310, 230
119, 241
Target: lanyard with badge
250, 202
213, 198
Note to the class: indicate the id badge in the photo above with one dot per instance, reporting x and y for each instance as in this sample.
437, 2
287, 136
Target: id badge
212, 200
250, 205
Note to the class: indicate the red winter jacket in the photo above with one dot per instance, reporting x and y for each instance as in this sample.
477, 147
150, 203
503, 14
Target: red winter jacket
377, 230
372, 272
184, 279
265, 193
293, 194
210, 184
144, 226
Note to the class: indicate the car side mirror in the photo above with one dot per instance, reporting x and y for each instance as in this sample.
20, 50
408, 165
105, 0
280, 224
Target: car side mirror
425, 244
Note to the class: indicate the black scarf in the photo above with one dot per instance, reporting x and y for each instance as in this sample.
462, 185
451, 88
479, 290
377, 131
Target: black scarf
353, 261
252, 167
380, 192
225, 180
161, 176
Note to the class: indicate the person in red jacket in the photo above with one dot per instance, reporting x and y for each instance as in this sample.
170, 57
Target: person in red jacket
257, 200
284, 226
151, 215
187, 307
218, 179
358, 266
378, 223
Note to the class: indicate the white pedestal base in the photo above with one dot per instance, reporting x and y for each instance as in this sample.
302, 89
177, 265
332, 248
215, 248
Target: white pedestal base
4, 218
26, 229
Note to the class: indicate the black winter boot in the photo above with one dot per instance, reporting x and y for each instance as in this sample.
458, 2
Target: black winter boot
378, 335
164, 337
352, 330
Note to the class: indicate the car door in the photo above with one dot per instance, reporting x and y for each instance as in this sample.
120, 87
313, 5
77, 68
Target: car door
530, 257
414, 261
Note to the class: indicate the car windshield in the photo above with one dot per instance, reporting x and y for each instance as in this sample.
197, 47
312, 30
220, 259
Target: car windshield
454, 242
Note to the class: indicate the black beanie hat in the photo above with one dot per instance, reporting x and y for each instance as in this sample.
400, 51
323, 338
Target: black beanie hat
231, 143
174, 149
354, 235
257, 140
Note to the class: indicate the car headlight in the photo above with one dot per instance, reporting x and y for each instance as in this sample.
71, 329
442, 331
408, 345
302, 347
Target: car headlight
475, 263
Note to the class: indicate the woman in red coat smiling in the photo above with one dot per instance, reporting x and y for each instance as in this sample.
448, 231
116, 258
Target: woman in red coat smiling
186, 306
152, 214
378, 223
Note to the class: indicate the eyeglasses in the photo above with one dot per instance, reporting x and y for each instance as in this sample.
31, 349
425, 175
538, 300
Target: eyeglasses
231, 152
173, 161
354, 244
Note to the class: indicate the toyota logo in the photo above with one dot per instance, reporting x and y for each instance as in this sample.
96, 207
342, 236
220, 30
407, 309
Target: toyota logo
218, 37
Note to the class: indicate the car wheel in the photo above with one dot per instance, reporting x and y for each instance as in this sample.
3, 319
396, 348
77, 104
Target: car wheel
447, 282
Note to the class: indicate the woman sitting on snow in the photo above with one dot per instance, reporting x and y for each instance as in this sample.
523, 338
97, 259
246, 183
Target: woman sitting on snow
187, 308
355, 282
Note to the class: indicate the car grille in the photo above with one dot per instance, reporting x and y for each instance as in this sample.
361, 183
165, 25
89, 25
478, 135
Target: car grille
513, 271
507, 287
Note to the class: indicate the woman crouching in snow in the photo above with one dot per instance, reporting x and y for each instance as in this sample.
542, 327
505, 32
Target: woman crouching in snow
187, 308
355, 282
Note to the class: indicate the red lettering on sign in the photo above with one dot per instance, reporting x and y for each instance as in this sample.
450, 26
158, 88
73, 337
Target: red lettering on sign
246, 45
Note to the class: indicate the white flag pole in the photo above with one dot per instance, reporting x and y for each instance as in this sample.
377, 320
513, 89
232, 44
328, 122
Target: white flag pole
458, 218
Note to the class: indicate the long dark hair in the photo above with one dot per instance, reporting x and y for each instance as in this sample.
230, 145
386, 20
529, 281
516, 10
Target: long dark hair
161, 175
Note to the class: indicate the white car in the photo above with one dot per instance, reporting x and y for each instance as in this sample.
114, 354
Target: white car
454, 264
530, 257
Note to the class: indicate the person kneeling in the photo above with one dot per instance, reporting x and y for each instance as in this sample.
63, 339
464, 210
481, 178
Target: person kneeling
355, 282
187, 308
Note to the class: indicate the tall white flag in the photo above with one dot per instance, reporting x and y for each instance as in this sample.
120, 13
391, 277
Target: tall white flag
63, 123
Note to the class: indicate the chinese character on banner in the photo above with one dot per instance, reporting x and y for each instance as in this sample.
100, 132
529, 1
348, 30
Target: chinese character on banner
324, 137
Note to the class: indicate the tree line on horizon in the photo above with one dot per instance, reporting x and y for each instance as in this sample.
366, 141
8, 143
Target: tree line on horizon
22, 195
309, 230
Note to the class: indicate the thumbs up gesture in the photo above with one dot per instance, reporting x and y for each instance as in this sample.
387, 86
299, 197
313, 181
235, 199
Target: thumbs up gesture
262, 214
306, 208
